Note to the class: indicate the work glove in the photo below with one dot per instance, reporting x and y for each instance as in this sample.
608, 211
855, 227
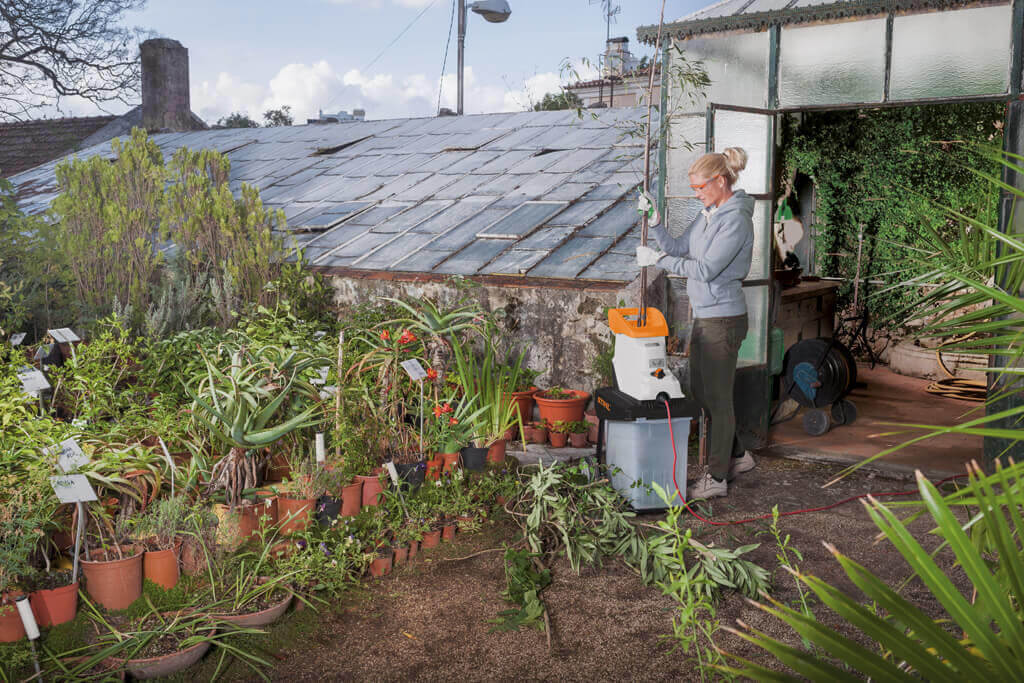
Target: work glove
647, 206
645, 256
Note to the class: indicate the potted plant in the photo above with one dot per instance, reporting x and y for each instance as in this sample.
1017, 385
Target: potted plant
341, 497
297, 501
452, 428
111, 566
578, 433
559, 434
561, 404
523, 391
246, 590
157, 530
490, 384
537, 432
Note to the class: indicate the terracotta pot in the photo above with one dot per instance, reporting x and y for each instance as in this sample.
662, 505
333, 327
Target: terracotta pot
381, 566
510, 434
351, 499
536, 435
165, 665
372, 488
262, 618
524, 403
558, 440
194, 559
434, 468
414, 549
296, 514
114, 584
450, 460
278, 468
448, 532
496, 451
473, 458
161, 567
565, 409
578, 440
401, 555
592, 423
235, 527
431, 539
11, 628
592, 432
267, 504
55, 606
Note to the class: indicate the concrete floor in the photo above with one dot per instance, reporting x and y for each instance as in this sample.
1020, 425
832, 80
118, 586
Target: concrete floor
887, 397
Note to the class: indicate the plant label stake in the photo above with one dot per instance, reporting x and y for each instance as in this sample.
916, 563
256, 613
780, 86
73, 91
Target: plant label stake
65, 335
170, 462
16, 339
392, 472
69, 458
321, 377
72, 488
417, 374
32, 381
321, 450
28, 620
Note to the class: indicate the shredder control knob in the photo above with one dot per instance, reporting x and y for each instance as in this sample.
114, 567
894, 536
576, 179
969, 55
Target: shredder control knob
659, 373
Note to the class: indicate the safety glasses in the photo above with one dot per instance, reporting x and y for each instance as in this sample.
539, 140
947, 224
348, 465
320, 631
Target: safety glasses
705, 183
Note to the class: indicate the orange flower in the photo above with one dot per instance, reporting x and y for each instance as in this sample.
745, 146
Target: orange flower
407, 337
437, 411
431, 373
446, 408
452, 421
385, 335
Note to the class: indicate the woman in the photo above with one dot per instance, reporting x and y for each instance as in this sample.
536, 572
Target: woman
713, 254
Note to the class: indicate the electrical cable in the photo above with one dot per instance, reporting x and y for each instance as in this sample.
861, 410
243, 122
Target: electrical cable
444, 60
788, 513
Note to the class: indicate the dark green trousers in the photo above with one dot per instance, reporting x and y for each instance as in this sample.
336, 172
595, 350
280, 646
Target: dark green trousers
714, 346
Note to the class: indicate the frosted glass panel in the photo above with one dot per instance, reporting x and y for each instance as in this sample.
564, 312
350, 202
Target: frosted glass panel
761, 260
752, 132
832, 64
685, 144
755, 346
681, 213
949, 54
737, 66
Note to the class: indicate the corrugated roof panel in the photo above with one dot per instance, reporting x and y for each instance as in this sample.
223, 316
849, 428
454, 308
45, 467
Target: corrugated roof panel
572, 257
469, 163
523, 220
515, 262
295, 210
397, 185
389, 252
501, 185
575, 161
348, 253
422, 261
534, 186
503, 163
405, 164
546, 238
408, 219
300, 178
329, 214
615, 187
464, 186
373, 165
552, 138
538, 162
615, 222
337, 236
581, 212
443, 161
380, 213
579, 137
466, 232
613, 266
341, 189
453, 215
425, 187
518, 139
473, 257
570, 191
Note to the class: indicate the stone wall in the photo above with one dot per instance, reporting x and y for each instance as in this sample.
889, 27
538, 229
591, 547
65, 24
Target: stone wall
562, 328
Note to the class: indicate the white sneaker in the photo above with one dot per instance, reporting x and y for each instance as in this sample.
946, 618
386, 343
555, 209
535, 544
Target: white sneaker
742, 464
707, 487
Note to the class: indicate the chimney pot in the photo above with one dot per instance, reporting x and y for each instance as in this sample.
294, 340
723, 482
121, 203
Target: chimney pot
165, 86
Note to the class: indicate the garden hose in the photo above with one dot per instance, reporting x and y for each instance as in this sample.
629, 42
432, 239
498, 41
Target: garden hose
956, 387
884, 494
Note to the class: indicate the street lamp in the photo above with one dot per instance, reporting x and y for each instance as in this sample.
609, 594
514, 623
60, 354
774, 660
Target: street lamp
494, 11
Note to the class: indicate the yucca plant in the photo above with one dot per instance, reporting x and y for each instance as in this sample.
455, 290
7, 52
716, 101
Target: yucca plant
257, 400
978, 639
976, 306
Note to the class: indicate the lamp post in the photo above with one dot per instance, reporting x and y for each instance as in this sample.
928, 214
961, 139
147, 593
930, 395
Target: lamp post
494, 11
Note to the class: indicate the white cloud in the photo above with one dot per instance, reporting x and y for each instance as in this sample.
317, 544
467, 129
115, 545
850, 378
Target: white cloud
309, 88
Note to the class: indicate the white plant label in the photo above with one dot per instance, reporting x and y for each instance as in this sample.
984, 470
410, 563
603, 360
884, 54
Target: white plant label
415, 370
321, 377
319, 334
321, 450
64, 335
32, 380
392, 472
72, 488
16, 339
69, 455
328, 391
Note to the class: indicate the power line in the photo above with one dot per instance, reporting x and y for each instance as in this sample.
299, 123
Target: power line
444, 61
394, 40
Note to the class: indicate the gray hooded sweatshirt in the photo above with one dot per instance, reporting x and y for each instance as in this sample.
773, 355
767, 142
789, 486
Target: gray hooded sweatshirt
713, 254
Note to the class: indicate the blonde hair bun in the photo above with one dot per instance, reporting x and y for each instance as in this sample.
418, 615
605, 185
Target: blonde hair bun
735, 159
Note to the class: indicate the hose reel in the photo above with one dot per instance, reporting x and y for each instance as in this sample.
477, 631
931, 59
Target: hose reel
818, 374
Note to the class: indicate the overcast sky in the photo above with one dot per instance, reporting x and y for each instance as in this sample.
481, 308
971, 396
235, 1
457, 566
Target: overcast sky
253, 55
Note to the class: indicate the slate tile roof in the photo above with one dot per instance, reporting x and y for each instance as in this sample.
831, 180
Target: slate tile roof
536, 194
29, 143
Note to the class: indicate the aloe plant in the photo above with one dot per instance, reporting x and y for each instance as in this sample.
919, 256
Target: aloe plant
977, 639
439, 328
260, 398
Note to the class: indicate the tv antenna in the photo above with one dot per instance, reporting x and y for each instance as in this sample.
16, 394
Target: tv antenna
610, 11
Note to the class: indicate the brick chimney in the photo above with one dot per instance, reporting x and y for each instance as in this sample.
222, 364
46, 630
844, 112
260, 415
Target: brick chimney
165, 96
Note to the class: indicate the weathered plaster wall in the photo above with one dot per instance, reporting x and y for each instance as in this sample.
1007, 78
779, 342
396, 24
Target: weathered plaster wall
562, 329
